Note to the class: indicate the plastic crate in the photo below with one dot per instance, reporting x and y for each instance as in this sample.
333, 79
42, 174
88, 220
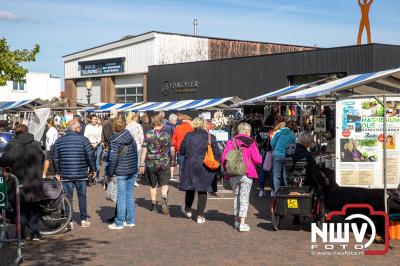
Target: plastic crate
293, 204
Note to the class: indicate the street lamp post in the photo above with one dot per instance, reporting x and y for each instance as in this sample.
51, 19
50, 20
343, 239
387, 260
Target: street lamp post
89, 85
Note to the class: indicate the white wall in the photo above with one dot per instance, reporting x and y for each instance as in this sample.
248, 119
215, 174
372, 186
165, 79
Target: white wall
172, 49
138, 57
38, 85
157, 49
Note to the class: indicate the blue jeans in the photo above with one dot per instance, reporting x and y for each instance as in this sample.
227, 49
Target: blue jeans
98, 150
180, 162
279, 172
125, 200
81, 191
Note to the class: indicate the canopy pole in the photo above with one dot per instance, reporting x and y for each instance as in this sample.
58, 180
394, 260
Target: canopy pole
301, 116
384, 154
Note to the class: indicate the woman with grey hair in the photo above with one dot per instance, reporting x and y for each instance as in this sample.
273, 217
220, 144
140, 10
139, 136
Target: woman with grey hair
241, 185
313, 177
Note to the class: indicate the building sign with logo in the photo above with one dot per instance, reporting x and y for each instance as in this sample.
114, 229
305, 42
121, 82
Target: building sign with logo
179, 86
103, 66
359, 143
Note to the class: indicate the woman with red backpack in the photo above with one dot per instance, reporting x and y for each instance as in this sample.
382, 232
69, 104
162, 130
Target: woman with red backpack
239, 161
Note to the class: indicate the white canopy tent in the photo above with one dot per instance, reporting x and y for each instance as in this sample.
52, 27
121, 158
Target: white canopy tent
375, 83
203, 104
273, 95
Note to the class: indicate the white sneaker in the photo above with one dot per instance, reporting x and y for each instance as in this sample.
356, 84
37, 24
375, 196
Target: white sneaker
70, 226
236, 225
115, 227
85, 223
201, 220
136, 184
188, 214
128, 225
262, 193
244, 228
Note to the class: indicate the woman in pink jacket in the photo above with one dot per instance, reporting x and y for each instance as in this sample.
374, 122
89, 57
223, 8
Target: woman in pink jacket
241, 185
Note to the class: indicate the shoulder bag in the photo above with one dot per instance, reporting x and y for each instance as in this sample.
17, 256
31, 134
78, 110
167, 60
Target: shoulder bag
209, 159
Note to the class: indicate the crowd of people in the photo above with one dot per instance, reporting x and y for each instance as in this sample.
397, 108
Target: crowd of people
152, 147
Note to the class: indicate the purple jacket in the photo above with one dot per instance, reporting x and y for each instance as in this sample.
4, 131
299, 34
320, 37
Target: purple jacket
251, 155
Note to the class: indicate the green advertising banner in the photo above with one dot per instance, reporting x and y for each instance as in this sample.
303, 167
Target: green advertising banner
3, 193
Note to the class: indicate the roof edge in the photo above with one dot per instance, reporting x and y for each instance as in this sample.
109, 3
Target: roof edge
179, 34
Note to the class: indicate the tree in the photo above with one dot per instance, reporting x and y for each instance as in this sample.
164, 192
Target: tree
10, 68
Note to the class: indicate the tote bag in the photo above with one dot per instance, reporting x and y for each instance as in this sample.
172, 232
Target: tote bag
267, 165
209, 159
112, 190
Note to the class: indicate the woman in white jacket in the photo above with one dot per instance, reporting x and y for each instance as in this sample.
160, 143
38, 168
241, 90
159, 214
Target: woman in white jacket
51, 137
136, 131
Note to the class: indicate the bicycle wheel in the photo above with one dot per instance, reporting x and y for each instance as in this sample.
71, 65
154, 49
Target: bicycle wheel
56, 222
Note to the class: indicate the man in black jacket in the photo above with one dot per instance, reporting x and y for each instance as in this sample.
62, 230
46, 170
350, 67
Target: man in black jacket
72, 155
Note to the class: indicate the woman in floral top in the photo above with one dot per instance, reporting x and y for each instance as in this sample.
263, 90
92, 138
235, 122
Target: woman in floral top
155, 161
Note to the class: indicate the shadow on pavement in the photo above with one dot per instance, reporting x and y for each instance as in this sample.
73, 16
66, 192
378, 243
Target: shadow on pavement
52, 251
214, 215
105, 213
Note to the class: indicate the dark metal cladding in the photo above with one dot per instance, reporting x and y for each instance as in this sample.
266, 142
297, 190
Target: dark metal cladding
248, 77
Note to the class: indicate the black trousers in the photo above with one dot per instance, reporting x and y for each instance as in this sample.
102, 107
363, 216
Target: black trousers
30, 215
201, 201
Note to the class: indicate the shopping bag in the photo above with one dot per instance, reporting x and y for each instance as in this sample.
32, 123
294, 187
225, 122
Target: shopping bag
209, 159
112, 190
267, 165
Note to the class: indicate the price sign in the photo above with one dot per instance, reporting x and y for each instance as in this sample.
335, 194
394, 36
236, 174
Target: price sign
3, 193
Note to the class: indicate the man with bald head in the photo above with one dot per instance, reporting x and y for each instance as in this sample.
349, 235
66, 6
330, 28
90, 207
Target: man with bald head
72, 156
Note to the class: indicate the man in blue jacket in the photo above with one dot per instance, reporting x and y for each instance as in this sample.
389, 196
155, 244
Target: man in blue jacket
72, 156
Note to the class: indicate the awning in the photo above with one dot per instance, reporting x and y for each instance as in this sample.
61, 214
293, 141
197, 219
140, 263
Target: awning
108, 107
14, 104
375, 83
269, 95
218, 103
273, 95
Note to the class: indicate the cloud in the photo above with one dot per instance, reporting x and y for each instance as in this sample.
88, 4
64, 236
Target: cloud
9, 16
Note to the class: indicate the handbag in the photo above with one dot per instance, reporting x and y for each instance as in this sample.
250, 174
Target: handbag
112, 190
209, 159
267, 165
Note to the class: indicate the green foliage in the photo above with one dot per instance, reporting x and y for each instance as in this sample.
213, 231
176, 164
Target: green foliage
10, 61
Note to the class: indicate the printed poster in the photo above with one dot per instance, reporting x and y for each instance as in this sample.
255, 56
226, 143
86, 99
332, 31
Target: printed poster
359, 142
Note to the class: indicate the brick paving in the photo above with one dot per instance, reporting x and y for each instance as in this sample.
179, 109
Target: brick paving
174, 240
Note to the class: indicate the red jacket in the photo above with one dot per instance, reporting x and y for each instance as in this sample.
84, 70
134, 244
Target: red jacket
180, 133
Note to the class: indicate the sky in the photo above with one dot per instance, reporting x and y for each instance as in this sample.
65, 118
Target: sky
62, 27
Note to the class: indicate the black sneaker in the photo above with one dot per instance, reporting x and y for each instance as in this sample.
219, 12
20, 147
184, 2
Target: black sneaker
164, 206
36, 237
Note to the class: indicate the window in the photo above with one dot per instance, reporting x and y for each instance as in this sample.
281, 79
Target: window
302, 79
18, 86
129, 95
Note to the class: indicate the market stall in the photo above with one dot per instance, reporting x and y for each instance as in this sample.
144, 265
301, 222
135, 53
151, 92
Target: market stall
367, 127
